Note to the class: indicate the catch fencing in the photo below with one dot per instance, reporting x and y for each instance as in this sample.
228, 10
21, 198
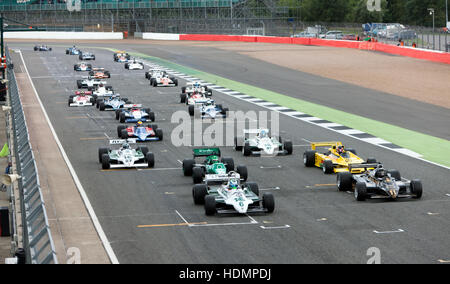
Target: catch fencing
37, 240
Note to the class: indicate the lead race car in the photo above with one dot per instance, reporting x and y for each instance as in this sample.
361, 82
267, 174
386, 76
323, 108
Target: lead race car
125, 156
73, 51
377, 183
194, 99
228, 196
113, 102
134, 65
89, 82
86, 56
83, 66
82, 98
336, 159
211, 166
209, 109
259, 142
42, 48
121, 57
141, 132
134, 113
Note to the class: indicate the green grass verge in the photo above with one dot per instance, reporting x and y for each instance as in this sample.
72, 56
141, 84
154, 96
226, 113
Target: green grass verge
432, 148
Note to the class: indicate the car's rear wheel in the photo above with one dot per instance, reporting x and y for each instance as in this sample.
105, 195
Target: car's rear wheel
183, 98
102, 151
371, 161
102, 106
247, 149
159, 134
151, 116
124, 134
191, 109
395, 174
237, 145
122, 117
119, 130
253, 186
144, 150
288, 147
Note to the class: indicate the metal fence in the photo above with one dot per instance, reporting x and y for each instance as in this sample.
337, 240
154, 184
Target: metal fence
37, 239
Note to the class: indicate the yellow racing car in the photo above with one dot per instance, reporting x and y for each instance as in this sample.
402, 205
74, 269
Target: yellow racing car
336, 159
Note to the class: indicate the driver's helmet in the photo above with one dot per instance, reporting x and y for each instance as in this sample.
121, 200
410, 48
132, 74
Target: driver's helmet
100, 86
263, 134
381, 172
233, 184
196, 85
82, 93
139, 123
213, 159
125, 146
208, 103
340, 150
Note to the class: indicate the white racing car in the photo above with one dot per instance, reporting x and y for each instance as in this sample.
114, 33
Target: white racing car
125, 156
134, 65
86, 56
258, 142
194, 99
103, 91
82, 99
156, 72
163, 80
226, 195
88, 82
83, 66
209, 109
196, 87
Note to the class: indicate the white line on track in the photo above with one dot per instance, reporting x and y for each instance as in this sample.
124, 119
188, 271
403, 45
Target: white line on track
87, 203
389, 232
274, 228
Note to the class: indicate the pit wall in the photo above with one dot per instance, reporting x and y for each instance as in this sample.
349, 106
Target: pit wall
435, 56
62, 35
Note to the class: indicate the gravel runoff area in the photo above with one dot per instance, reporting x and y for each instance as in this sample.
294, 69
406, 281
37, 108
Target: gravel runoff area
397, 75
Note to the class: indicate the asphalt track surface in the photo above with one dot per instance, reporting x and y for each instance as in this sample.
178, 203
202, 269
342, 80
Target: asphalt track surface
323, 225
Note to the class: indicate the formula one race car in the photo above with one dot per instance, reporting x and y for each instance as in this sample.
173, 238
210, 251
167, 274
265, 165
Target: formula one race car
258, 142
211, 166
121, 56
73, 51
42, 48
99, 73
196, 87
134, 113
163, 81
125, 156
103, 91
228, 196
208, 110
83, 66
89, 82
154, 73
194, 99
377, 183
86, 56
336, 159
134, 65
113, 102
141, 132
82, 99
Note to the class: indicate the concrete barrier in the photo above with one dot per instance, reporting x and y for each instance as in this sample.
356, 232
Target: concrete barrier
62, 35
160, 36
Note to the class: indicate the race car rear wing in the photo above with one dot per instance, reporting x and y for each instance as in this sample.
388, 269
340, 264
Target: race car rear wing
121, 141
205, 152
363, 166
132, 106
98, 69
335, 144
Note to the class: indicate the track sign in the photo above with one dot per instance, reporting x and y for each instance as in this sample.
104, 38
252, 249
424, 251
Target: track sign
74, 5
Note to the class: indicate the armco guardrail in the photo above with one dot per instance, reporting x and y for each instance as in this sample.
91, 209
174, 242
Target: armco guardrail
37, 239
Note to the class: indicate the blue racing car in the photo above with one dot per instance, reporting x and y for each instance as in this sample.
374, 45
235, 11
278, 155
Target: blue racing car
135, 113
141, 132
73, 51
113, 102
